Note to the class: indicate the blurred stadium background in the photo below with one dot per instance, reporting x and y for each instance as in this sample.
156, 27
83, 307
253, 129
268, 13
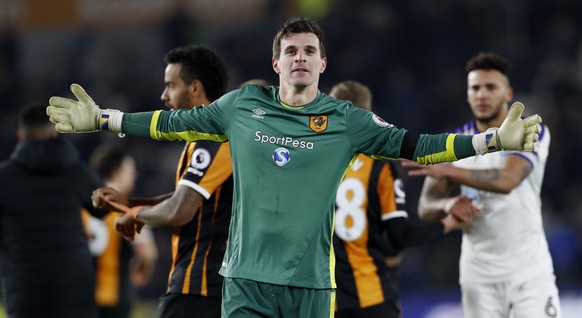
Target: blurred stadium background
410, 53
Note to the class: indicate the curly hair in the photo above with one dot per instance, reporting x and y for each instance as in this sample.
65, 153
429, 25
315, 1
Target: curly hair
203, 64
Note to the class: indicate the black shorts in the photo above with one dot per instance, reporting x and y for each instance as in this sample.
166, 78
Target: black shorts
188, 306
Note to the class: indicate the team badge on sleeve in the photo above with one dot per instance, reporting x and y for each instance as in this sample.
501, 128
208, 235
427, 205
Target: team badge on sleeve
200, 159
380, 122
318, 123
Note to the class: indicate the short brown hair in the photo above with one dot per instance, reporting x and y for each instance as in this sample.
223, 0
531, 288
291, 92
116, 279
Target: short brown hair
294, 26
356, 92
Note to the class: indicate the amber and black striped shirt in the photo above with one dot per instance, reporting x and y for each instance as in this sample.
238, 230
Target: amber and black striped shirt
198, 247
369, 195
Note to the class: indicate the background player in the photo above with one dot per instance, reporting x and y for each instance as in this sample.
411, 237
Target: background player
120, 265
371, 201
200, 208
505, 263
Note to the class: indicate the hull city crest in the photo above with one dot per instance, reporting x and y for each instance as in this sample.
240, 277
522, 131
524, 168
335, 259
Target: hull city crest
318, 123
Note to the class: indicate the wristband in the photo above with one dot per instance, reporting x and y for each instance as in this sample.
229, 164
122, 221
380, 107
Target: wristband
486, 142
110, 119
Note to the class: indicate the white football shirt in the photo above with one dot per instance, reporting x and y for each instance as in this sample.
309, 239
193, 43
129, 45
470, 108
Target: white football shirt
506, 240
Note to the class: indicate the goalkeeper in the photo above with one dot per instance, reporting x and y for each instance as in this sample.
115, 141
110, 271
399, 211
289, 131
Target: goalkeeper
290, 145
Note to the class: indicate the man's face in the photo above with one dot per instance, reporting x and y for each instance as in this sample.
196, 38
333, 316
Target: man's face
488, 93
176, 94
300, 61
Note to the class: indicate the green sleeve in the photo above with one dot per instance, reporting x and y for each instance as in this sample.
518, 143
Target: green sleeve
199, 123
374, 137
137, 124
431, 149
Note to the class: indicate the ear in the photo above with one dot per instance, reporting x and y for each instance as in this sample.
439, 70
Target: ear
196, 88
509, 94
19, 134
275, 64
323, 65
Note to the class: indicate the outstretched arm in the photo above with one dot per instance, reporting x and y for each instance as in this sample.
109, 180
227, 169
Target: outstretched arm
177, 210
103, 197
514, 134
437, 201
84, 115
502, 180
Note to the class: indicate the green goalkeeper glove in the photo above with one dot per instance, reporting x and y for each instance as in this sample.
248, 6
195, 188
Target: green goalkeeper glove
514, 134
83, 115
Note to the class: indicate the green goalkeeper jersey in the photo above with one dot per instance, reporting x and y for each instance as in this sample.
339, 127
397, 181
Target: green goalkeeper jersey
287, 165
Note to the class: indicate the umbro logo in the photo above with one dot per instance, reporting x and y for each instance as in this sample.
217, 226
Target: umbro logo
258, 113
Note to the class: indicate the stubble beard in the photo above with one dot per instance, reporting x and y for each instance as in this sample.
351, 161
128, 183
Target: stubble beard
490, 119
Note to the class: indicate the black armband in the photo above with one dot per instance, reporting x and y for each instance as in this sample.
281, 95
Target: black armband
408, 145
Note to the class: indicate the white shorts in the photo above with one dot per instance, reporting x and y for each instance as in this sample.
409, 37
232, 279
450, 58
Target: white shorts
536, 298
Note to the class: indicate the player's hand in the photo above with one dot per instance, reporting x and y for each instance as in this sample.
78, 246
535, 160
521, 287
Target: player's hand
74, 116
417, 170
451, 223
461, 209
127, 227
83, 115
514, 134
102, 197
113, 200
